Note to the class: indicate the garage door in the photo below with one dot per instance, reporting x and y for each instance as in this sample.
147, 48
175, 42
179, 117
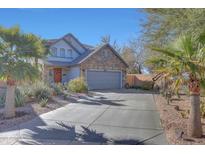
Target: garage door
103, 79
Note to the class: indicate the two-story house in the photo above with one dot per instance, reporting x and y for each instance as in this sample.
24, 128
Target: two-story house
102, 67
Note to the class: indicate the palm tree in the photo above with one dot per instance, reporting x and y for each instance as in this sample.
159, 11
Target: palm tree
17, 61
183, 63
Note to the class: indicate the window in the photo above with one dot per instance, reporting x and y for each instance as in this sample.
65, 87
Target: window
54, 52
70, 53
62, 52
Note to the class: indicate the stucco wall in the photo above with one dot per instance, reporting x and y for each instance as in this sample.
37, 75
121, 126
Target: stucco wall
73, 72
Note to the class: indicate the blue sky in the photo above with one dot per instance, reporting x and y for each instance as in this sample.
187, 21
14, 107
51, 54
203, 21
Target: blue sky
88, 25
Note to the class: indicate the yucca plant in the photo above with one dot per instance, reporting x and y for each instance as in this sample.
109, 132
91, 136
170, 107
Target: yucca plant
182, 62
18, 50
43, 102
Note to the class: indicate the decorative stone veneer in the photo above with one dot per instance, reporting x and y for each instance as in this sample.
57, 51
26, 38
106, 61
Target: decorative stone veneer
104, 59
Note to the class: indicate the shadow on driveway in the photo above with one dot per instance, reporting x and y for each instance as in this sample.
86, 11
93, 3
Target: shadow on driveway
96, 99
69, 135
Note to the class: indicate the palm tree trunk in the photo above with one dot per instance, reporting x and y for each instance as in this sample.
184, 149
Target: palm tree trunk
10, 100
194, 126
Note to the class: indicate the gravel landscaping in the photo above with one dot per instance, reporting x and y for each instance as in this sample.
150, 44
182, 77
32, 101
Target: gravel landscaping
29, 111
174, 119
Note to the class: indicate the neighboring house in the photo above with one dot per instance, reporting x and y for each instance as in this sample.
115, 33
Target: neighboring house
102, 67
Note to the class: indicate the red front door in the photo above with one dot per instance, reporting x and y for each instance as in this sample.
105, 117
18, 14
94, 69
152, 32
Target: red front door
57, 75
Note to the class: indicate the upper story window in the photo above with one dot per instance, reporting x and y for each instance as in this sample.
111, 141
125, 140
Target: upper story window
54, 51
70, 53
62, 52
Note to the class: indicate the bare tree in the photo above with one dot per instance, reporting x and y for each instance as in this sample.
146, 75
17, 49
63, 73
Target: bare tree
107, 40
129, 56
137, 47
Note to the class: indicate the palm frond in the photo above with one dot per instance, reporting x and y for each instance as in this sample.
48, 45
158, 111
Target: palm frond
186, 43
16, 51
167, 52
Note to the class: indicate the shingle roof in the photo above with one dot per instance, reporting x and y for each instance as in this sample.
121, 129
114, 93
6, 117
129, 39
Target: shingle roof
90, 50
49, 42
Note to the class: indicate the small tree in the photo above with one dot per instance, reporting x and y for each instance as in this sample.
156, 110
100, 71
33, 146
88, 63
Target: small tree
183, 62
18, 52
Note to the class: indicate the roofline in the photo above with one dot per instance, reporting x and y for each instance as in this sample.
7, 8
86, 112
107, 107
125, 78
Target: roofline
70, 34
105, 45
71, 45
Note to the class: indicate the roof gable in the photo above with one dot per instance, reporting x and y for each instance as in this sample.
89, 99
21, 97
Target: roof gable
66, 42
99, 49
72, 41
75, 43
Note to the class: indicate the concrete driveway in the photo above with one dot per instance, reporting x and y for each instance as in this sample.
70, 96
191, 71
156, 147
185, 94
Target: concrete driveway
106, 117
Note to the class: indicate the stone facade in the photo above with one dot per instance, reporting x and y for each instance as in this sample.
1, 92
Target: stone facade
104, 59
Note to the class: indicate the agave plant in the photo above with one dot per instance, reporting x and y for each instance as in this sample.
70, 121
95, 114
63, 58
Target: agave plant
182, 62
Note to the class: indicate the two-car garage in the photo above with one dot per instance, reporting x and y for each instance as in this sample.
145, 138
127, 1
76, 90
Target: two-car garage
100, 79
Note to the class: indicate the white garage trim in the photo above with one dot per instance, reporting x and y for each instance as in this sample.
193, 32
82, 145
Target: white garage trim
104, 70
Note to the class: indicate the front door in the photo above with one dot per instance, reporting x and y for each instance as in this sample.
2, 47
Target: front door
57, 75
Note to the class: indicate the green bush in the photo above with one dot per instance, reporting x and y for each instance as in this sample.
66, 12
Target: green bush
77, 85
58, 88
43, 102
41, 91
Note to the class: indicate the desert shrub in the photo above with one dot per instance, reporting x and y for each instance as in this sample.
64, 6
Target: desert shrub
202, 109
20, 97
43, 102
41, 91
77, 85
58, 88
185, 114
147, 85
27, 89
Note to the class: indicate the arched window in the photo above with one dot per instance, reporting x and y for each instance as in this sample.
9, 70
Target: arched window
54, 51
62, 52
